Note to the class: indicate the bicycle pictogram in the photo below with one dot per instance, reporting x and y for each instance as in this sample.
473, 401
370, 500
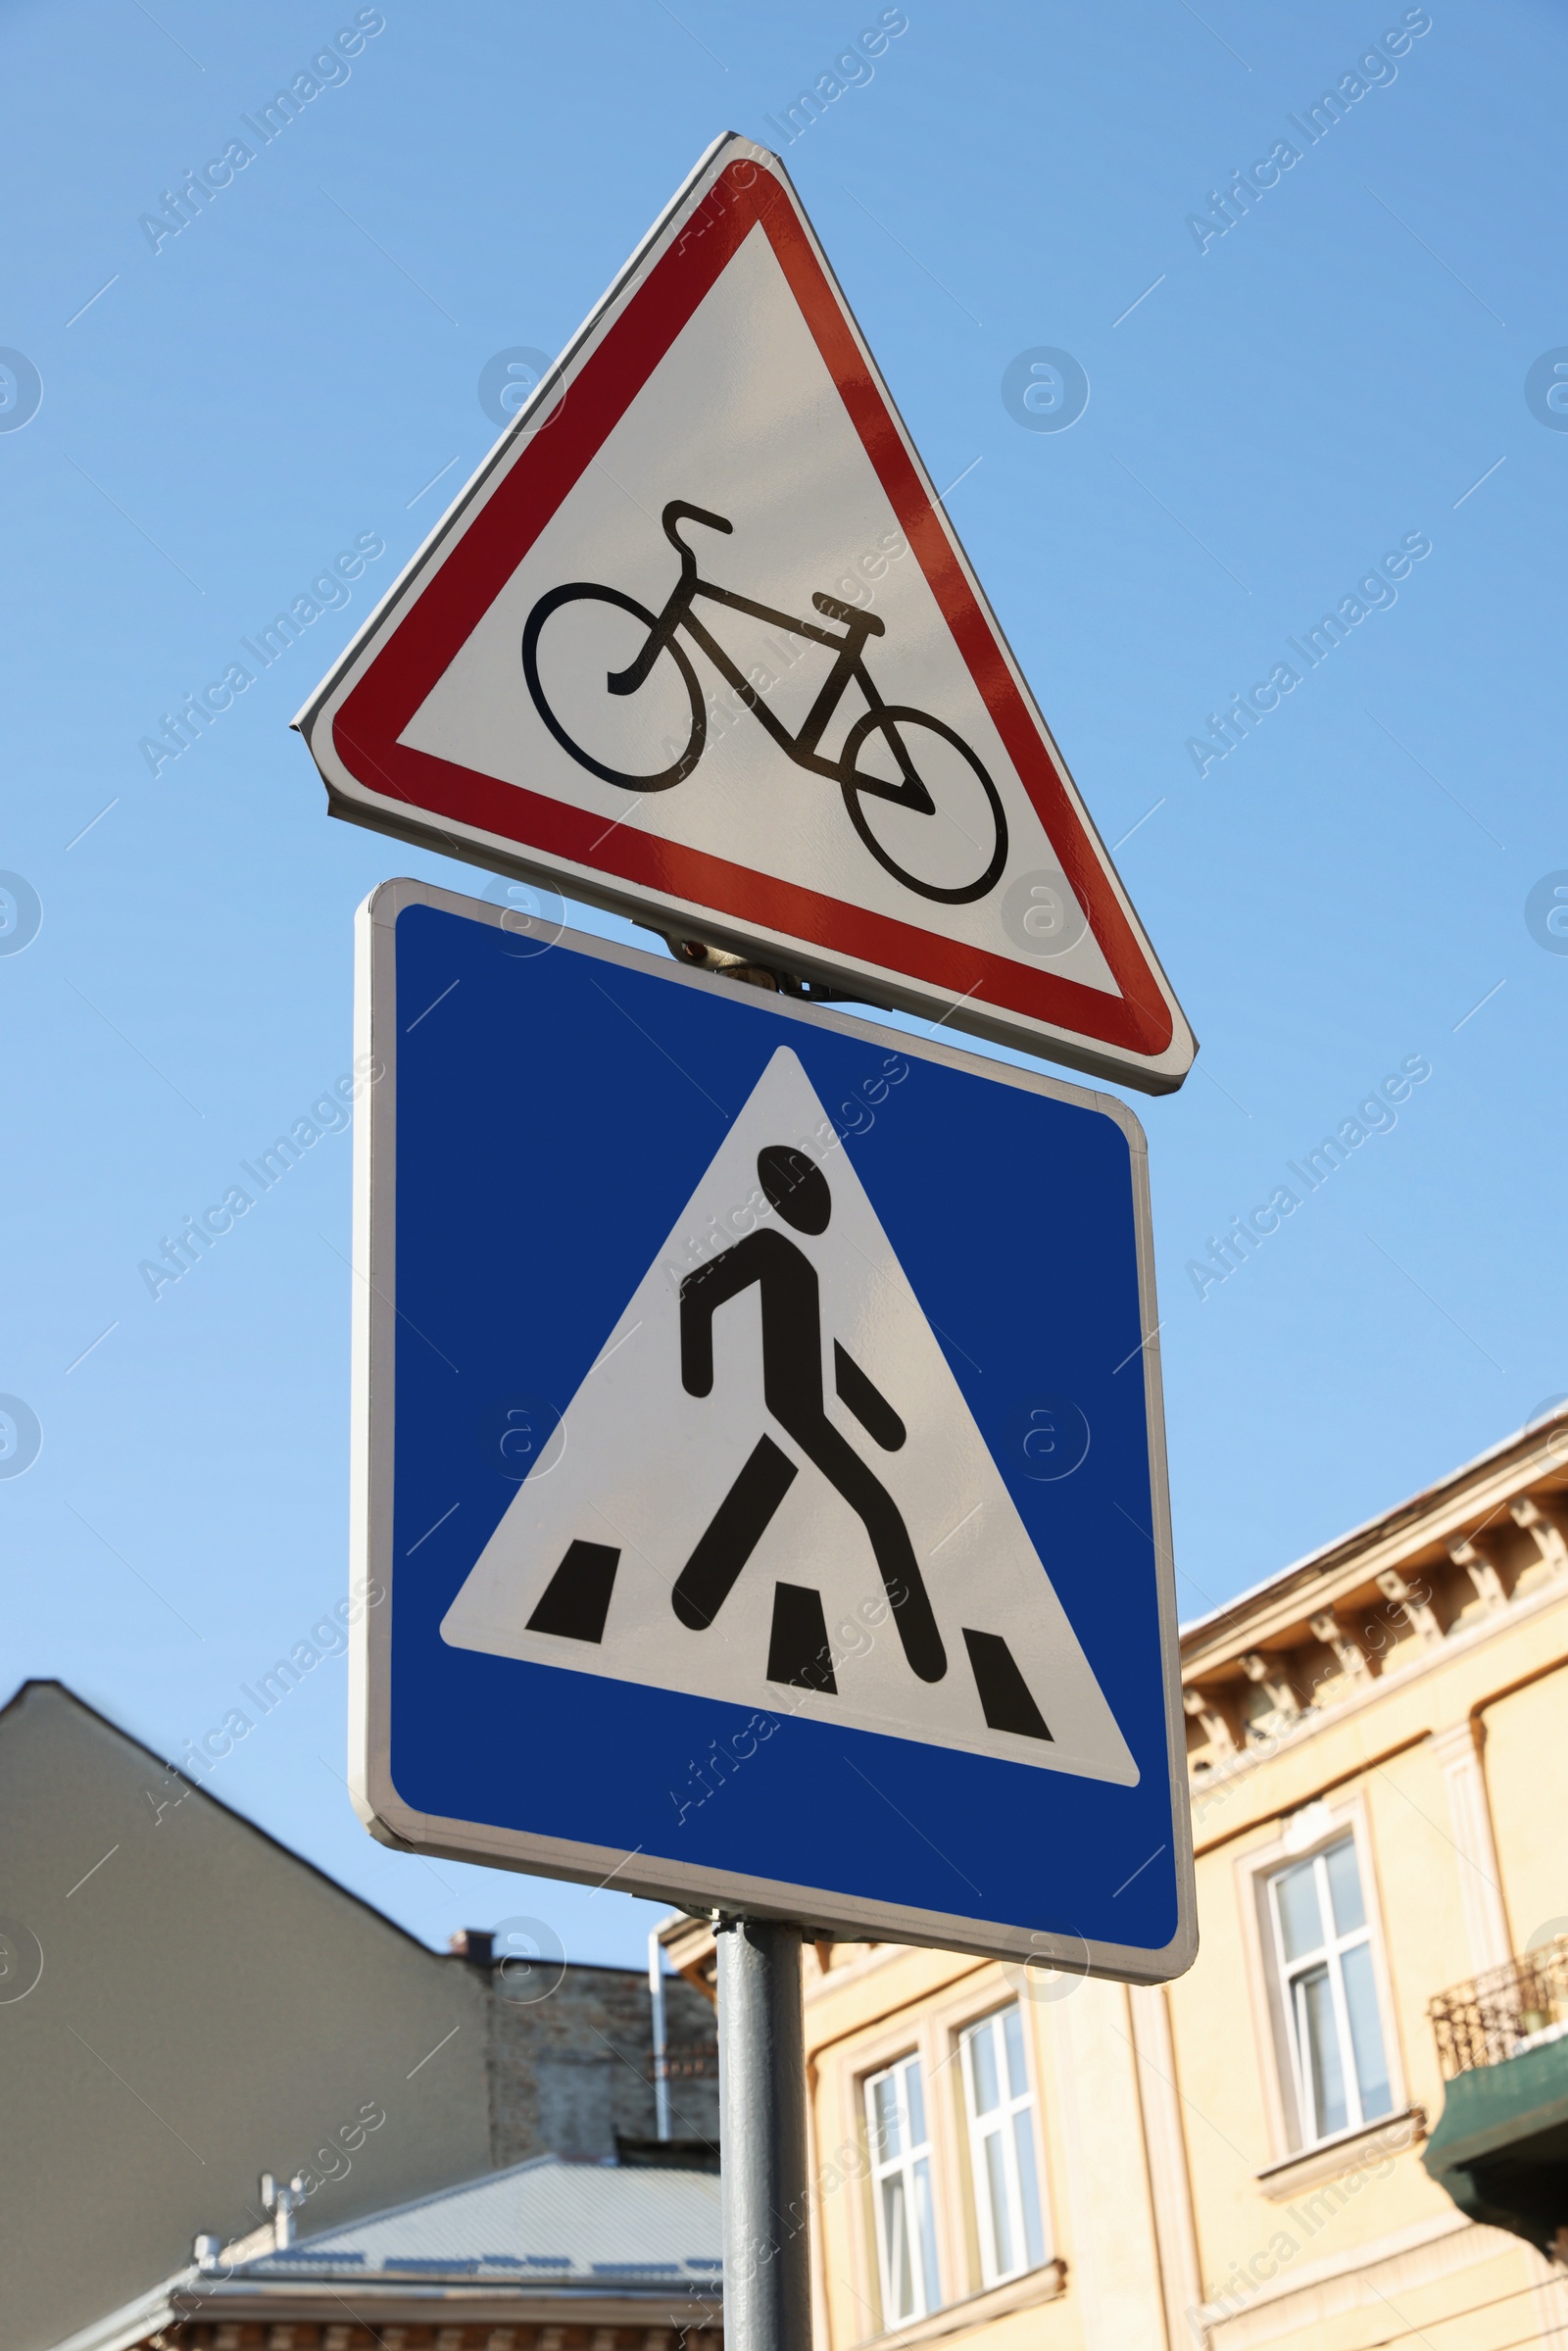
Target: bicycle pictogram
971, 828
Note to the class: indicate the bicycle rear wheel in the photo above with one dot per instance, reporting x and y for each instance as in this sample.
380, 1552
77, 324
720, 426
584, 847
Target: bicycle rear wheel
957, 797
580, 663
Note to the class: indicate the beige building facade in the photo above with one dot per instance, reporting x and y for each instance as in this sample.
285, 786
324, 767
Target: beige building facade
1246, 2158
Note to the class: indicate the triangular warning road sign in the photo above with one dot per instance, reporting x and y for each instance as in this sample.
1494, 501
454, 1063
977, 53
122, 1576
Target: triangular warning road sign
770, 1491
699, 643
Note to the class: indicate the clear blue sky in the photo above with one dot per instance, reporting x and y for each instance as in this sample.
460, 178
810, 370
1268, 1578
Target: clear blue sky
1337, 371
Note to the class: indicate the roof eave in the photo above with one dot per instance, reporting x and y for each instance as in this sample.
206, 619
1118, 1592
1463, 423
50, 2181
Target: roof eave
626, 2304
133, 2321
1403, 1521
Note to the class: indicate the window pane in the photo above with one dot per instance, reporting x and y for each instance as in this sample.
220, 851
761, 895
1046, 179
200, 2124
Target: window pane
928, 2234
1012, 2034
1320, 2051
1023, 2140
982, 2067
997, 2184
886, 2117
914, 2098
1301, 1924
1345, 1887
895, 2243
1366, 2034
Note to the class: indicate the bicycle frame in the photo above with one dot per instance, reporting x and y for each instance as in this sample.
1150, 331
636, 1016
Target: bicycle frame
848, 667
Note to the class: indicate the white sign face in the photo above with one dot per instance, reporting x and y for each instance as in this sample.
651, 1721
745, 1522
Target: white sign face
769, 1481
699, 643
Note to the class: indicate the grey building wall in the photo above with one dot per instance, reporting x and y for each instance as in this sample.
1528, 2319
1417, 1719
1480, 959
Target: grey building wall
209, 2006
572, 2073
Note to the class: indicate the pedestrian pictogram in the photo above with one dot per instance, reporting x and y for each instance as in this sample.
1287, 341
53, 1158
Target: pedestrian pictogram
699, 643
769, 1490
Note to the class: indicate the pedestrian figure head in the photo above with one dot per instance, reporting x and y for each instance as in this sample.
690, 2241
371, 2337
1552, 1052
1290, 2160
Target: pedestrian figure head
796, 1186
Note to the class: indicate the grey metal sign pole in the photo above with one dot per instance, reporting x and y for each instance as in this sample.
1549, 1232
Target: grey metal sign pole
762, 2089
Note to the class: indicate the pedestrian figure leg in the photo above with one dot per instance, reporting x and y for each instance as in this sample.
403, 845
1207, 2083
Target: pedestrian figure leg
737, 1528
839, 1462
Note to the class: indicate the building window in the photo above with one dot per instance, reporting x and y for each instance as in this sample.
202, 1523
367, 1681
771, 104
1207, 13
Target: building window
901, 2178
1323, 1950
1000, 2113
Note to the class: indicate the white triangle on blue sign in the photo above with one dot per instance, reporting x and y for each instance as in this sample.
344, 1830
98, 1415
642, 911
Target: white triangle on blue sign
769, 1491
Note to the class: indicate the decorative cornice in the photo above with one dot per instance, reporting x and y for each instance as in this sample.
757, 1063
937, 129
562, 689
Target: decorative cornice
1456, 1507
1317, 1720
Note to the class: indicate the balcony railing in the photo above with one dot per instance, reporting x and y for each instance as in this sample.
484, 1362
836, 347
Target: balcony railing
1504, 2013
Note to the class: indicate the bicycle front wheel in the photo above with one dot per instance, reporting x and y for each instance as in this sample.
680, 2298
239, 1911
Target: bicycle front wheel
577, 640
941, 830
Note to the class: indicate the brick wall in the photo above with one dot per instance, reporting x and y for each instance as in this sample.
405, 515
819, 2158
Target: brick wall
572, 2073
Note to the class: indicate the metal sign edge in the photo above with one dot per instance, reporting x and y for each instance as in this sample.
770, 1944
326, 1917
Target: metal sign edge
874, 985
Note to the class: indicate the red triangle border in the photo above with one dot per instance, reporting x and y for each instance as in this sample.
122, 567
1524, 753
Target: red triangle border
444, 612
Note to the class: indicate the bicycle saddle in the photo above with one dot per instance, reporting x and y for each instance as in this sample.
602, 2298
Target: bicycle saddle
852, 614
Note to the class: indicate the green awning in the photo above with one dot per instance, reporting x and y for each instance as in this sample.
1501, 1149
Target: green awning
1500, 2150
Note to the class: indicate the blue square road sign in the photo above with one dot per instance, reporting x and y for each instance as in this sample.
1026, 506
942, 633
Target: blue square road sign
759, 1443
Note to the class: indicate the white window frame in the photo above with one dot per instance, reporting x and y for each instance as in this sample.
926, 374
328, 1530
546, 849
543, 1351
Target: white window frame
1330, 1954
1002, 2121
903, 2166
1320, 1820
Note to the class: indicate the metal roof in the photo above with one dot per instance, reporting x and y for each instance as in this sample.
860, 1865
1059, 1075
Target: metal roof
545, 2222
591, 2243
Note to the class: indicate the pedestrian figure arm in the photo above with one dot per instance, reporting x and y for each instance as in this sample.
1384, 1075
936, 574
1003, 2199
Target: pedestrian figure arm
866, 1402
701, 1293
